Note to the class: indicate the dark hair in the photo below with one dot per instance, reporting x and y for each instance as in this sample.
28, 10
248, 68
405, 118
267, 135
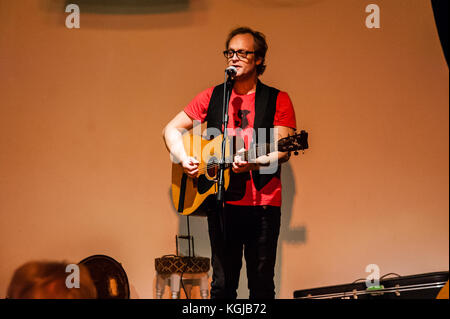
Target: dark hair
260, 45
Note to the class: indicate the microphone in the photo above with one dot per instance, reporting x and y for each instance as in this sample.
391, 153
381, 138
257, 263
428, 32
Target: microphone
231, 70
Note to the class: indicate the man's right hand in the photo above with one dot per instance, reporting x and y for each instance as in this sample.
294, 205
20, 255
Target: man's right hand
190, 166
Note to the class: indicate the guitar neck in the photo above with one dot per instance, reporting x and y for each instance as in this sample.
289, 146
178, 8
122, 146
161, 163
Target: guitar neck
292, 143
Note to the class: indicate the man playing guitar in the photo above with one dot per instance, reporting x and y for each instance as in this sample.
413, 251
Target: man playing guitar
251, 215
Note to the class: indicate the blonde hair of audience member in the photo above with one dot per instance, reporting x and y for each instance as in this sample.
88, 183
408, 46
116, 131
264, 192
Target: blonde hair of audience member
47, 280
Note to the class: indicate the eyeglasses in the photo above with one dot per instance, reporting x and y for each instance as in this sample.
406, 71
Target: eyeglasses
241, 54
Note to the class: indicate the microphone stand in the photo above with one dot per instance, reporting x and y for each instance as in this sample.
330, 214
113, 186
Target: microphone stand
227, 89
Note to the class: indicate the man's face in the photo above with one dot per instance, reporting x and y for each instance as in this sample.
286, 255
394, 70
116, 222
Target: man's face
246, 66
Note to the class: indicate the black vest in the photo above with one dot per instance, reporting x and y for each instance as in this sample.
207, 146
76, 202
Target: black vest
265, 108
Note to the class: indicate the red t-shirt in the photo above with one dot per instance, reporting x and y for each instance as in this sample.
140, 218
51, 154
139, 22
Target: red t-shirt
241, 113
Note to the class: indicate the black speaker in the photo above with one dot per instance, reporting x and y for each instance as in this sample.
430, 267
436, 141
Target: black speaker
422, 286
109, 277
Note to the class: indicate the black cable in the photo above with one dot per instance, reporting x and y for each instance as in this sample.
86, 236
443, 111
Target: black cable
357, 280
181, 278
391, 273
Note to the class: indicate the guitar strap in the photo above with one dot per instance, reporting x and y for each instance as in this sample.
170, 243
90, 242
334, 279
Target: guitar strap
265, 108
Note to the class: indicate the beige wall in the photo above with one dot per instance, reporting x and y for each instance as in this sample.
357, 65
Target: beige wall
83, 168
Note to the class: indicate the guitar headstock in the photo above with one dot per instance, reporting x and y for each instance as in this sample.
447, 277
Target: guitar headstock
294, 143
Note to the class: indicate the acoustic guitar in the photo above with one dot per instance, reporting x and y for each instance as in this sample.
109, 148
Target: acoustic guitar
191, 195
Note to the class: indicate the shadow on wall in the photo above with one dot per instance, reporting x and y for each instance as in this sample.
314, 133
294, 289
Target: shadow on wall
297, 235
130, 14
293, 235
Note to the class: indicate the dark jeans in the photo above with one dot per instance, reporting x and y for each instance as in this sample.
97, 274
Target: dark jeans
253, 230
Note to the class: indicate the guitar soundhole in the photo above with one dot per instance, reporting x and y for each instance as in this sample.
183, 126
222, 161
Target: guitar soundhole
212, 168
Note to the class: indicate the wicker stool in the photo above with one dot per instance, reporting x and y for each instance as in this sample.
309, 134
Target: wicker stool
192, 270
